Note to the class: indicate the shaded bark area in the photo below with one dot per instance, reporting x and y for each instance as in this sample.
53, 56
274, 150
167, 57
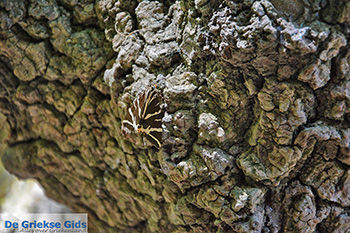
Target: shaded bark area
255, 95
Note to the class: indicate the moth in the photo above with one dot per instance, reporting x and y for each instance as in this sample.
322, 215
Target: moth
145, 117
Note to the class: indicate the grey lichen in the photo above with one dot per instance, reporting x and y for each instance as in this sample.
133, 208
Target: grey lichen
255, 96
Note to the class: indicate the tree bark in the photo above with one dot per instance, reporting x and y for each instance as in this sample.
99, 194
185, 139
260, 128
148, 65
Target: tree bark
255, 97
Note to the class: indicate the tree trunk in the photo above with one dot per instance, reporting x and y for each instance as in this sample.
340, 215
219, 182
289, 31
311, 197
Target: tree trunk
181, 116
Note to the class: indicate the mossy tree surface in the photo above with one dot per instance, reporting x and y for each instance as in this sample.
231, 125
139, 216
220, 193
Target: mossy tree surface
255, 94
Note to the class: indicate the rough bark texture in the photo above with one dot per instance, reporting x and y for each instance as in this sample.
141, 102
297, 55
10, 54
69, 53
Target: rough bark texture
256, 95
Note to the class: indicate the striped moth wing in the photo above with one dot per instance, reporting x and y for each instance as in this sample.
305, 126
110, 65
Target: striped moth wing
145, 117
